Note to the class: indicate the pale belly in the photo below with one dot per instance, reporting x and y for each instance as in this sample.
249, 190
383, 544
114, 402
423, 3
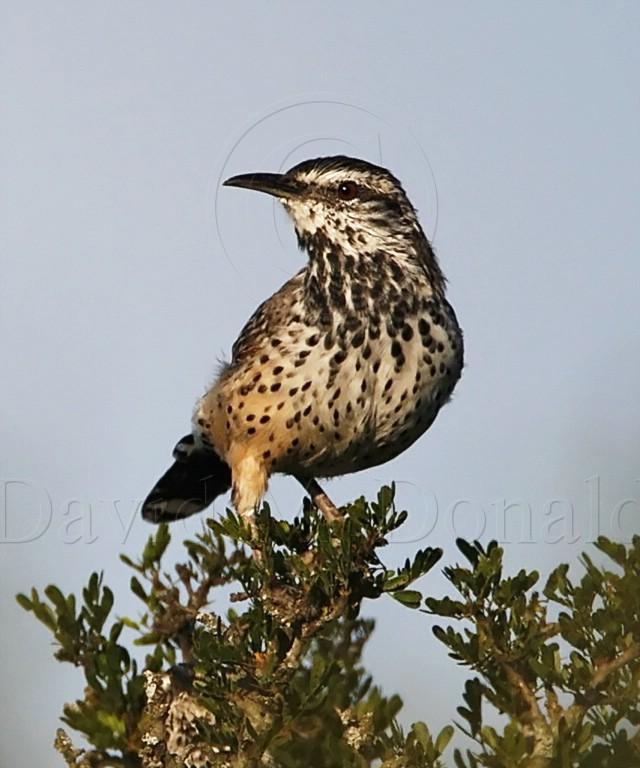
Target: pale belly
318, 410
383, 407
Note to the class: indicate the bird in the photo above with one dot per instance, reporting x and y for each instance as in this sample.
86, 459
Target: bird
341, 369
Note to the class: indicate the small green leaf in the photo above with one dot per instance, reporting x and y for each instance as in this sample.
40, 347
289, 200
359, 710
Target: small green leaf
409, 597
421, 733
163, 538
24, 602
115, 631
394, 581
137, 589
443, 738
57, 598
469, 551
128, 622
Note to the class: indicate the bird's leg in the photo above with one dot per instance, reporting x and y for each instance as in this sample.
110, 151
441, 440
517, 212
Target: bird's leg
249, 486
320, 499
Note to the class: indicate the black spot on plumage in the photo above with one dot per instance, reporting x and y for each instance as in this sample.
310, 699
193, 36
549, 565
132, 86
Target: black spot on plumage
275, 387
379, 258
351, 323
336, 293
333, 259
358, 339
358, 298
339, 357
399, 312
407, 332
376, 290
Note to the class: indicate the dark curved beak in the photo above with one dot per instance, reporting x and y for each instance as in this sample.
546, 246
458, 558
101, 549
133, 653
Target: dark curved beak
276, 184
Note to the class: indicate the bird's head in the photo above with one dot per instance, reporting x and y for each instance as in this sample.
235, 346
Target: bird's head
355, 205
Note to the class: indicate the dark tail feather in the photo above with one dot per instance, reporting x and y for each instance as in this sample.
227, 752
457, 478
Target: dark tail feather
188, 486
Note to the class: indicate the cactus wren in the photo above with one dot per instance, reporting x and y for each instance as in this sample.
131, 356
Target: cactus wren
341, 369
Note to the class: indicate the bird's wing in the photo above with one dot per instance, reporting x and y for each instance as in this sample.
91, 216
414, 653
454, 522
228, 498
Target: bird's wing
269, 320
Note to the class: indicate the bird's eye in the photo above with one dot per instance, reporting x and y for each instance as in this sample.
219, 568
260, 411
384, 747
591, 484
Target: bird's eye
347, 190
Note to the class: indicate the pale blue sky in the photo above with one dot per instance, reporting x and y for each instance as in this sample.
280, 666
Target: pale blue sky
127, 273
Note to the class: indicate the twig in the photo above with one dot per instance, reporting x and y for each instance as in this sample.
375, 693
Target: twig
604, 669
